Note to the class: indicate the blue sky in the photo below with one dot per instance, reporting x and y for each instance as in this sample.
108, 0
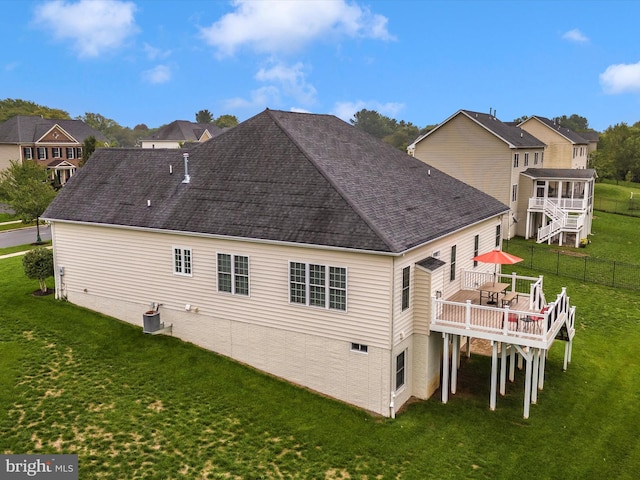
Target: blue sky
153, 62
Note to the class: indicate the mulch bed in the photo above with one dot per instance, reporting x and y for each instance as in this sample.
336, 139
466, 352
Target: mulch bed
40, 293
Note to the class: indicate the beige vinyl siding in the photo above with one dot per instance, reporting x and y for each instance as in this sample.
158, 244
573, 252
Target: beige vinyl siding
407, 322
469, 152
120, 272
527, 186
559, 150
8, 153
137, 266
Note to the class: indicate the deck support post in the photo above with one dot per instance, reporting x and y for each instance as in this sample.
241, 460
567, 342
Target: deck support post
512, 364
543, 363
455, 356
534, 375
445, 367
503, 369
494, 374
567, 355
469, 347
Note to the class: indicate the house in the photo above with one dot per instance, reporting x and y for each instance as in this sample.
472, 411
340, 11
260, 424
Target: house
564, 148
512, 165
484, 152
294, 243
53, 143
179, 132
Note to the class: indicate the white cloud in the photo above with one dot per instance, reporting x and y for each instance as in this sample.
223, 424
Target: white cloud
154, 53
93, 26
9, 67
291, 80
158, 74
260, 99
575, 36
285, 26
346, 110
621, 78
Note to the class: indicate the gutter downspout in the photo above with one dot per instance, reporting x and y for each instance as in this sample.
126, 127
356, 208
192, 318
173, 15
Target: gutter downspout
392, 393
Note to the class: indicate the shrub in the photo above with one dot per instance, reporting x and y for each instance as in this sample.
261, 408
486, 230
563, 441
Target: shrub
38, 265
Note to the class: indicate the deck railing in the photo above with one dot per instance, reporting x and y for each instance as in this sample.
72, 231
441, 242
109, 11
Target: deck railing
575, 204
503, 321
531, 286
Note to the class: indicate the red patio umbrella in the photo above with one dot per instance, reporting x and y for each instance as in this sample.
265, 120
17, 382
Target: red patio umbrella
497, 257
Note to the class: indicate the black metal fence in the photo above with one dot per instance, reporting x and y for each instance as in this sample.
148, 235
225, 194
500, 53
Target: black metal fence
574, 265
622, 207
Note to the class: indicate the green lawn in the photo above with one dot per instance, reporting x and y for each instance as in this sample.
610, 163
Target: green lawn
616, 197
139, 406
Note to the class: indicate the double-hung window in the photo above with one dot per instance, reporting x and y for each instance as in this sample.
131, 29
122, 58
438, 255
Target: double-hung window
498, 235
476, 249
318, 285
452, 271
233, 274
56, 152
182, 261
42, 153
516, 160
526, 159
71, 152
27, 153
406, 275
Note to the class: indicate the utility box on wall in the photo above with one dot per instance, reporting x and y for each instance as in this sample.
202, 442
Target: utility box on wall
151, 321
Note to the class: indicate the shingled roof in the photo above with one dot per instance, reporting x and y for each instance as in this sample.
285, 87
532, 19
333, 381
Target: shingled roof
183, 130
280, 176
507, 131
29, 129
567, 133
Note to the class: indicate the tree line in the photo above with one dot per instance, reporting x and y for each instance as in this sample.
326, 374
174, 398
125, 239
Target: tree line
117, 135
617, 156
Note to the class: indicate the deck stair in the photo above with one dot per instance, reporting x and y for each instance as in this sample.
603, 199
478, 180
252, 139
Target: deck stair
559, 220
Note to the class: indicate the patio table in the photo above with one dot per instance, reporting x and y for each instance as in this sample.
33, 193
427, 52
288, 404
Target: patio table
493, 291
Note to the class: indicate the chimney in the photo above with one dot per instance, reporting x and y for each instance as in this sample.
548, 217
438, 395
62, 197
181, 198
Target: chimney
187, 177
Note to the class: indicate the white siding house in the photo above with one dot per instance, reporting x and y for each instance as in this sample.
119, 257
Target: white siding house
294, 243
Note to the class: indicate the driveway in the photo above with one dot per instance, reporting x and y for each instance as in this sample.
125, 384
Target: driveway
23, 236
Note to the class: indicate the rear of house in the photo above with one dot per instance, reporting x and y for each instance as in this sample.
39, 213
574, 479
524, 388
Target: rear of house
294, 243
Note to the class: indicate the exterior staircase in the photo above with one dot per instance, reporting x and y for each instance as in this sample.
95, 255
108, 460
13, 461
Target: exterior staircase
559, 221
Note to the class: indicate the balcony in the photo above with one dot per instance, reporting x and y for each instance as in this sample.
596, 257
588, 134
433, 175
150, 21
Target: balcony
528, 320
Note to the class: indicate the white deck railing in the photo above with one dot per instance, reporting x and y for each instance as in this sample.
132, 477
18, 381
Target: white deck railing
504, 323
574, 204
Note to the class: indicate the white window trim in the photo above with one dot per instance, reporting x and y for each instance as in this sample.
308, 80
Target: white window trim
181, 272
233, 275
327, 286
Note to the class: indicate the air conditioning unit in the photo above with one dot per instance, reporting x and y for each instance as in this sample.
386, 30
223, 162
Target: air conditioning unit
151, 321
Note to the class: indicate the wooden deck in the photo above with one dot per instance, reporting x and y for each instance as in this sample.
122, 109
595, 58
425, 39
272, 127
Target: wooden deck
463, 314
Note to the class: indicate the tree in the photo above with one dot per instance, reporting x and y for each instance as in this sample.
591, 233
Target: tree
373, 123
225, 121
204, 116
574, 122
88, 147
26, 188
38, 265
520, 119
10, 107
618, 154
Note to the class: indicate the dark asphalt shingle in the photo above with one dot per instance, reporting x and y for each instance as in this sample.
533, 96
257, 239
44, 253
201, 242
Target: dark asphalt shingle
283, 176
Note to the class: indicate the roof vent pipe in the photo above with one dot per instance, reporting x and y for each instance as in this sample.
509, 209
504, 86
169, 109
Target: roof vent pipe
187, 177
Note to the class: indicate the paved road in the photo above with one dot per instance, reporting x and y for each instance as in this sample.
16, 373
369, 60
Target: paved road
23, 236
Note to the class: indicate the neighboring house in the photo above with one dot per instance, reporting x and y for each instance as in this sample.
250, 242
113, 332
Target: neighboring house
299, 245
484, 152
592, 137
565, 148
53, 143
502, 159
180, 132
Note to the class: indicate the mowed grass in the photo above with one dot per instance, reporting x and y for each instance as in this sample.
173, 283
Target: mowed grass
136, 406
612, 196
